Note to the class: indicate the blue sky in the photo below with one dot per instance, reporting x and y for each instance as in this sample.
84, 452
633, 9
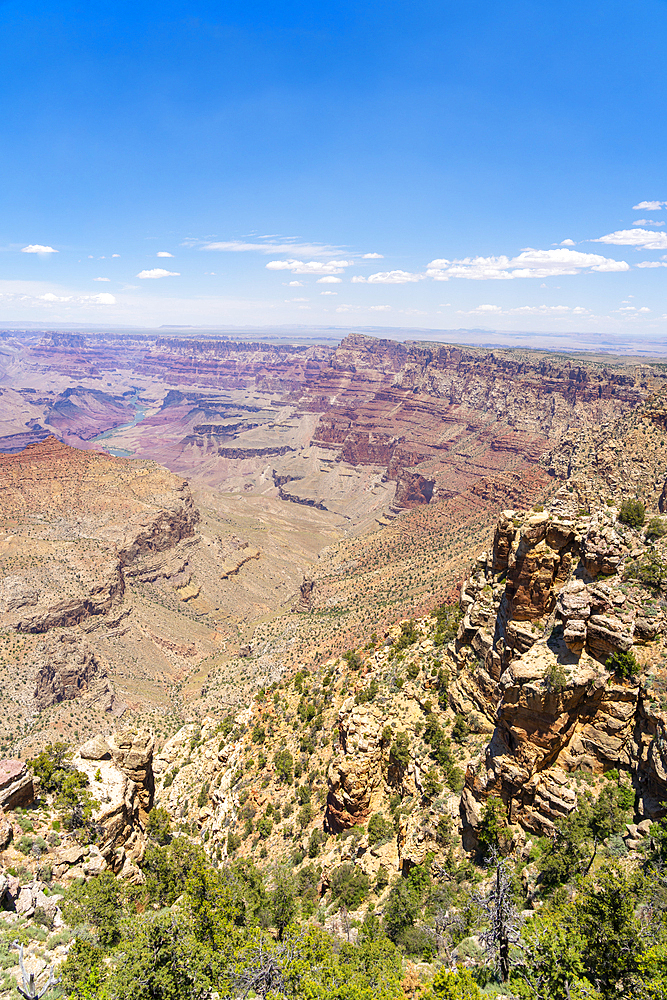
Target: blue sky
435, 164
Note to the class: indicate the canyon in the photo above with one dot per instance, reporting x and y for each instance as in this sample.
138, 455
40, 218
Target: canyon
335, 481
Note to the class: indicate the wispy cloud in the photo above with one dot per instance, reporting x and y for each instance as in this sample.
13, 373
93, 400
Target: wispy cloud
37, 248
309, 267
388, 278
101, 279
290, 246
487, 309
529, 264
652, 263
380, 309
158, 272
372, 256
647, 222
648, 206
164, 253
635, 238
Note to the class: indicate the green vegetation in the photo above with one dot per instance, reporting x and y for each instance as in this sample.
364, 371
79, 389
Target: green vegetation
624, 665
656, 529
447, 620
69, 786
632, 513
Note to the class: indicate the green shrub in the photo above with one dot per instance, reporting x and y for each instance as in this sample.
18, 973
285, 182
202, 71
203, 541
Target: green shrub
649, 569
284, 765
555, 677
158, 826
379, 828
399, 753
430, 785
632, 513
656, 529
408, 637
460, 730
349, 885
624, 665
447, 620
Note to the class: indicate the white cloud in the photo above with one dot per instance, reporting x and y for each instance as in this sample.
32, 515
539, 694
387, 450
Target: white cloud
294, 284
650, 206
373, 256
542, 310
164, 253
328, 293
644, 309
297, 300
528, 264
104, 299
309, 267
158, 272
101, 279
651, 263
380, 309
388, 278
38, 248
329, 280
284, 246
647, 222
567, 243
635, 238
115, 255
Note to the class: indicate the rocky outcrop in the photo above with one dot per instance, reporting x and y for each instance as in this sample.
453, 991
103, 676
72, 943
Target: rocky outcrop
355, 773
559, 595
66, 667
120, 774
16, 784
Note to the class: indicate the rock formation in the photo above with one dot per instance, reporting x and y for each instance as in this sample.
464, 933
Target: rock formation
563, 592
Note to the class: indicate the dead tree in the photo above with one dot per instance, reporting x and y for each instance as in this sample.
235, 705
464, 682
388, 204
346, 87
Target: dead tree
504, 920
29, 990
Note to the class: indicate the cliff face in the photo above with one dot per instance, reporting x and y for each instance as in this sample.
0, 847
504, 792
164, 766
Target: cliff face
564, 590
74, 524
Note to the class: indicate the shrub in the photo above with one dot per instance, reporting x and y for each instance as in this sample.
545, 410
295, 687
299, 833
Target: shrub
284, 765
624, 665
650, 570
158, 827
233, 842
656, 528
408, 637
402, 909
632, 513
430, 784
399, 754
349, 885
352, 659
459, 985
264, 827
493, 822
305, 815
460, 730
448, 618
555, 677
378, 828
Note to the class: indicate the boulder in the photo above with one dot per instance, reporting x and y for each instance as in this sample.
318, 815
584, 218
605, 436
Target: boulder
95, 748
16, 785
